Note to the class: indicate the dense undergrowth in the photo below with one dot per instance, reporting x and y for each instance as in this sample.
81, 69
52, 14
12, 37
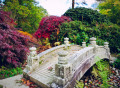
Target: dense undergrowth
6, 72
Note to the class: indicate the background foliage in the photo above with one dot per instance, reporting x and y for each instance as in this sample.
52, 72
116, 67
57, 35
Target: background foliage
79, 32
111, 8
86, 15
26, 13
92, 24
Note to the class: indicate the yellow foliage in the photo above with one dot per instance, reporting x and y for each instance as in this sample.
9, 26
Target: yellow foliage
105, 11
117, 2
33, 39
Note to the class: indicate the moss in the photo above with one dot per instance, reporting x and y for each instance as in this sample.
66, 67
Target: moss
1, 86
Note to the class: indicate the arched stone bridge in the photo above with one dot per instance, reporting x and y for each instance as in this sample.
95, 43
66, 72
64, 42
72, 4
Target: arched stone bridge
61, 66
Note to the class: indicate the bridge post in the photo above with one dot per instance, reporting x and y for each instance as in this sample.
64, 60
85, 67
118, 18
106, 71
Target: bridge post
32, 60
66, 42
106, 44
63, 70
83, 44
93, 41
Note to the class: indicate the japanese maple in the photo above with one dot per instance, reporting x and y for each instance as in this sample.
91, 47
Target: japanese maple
13, 45
50, 24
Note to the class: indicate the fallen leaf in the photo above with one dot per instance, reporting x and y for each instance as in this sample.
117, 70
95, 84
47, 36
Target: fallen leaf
28, 83
24, 82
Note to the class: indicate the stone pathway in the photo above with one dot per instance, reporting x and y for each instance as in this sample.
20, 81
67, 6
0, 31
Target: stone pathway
11, 82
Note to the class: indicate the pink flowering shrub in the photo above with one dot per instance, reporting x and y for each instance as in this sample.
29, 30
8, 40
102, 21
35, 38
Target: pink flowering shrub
13, 45
50, 24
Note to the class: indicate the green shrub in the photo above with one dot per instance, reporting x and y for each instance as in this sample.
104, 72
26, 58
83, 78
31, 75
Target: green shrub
103, 71
86, 15
79, 84
78, 32
74, 30
6, 72
110, 32
1, 86
116, 63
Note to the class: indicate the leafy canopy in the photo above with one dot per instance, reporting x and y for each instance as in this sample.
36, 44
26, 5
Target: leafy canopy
26, 13
86, 15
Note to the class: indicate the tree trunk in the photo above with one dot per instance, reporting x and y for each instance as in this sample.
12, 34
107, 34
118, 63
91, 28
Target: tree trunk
73, 1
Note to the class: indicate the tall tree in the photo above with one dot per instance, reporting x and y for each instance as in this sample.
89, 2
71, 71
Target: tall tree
26, 13
83, 2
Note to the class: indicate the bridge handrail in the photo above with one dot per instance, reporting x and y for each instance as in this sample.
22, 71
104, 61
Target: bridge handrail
49, 50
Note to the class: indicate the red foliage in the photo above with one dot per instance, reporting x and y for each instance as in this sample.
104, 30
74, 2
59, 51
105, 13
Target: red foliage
49, 24
13, 48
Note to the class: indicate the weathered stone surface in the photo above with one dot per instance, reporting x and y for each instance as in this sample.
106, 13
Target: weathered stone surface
62, 57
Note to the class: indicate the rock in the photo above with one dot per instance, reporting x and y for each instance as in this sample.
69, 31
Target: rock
53, 85
119, 77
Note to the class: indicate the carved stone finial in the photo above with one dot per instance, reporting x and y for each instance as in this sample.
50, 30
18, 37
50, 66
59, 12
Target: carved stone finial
62, 57
106, 44
83, 44
93, 41
32, 51
66, 41
32, 48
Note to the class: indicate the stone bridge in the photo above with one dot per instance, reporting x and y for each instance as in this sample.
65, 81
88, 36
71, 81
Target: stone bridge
61, 66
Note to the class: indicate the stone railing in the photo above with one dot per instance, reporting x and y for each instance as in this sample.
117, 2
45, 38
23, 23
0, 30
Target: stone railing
34, 59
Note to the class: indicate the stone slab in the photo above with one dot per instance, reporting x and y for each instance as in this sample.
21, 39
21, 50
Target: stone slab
11, 82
